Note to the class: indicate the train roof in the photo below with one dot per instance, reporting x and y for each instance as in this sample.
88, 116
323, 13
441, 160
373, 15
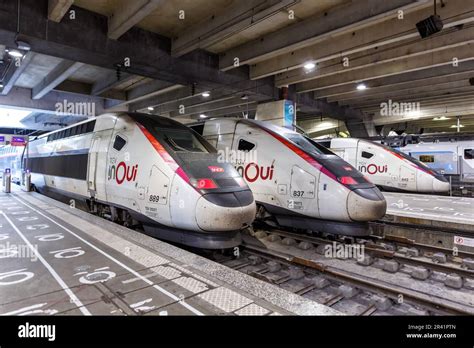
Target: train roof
140, 117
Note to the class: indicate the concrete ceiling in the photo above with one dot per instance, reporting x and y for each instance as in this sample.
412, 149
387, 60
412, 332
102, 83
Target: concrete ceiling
173, 60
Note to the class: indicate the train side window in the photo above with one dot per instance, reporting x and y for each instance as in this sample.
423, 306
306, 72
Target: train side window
67, 133
427, 158
366, 154
468, 153
119, 143
245, 145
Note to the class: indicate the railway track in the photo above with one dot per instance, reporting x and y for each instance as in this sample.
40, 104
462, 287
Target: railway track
413, 287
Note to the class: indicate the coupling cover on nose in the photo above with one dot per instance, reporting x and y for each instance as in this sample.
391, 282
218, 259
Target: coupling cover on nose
440, 186
365, 205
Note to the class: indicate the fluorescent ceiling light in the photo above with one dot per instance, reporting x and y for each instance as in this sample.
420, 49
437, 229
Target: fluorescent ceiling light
151, 108
15, 53
310, 66
202, 116
456, 126
206, 94
361, 86
442, 118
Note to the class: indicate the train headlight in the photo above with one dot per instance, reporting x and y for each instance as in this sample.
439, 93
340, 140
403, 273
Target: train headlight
347, 180
204, 184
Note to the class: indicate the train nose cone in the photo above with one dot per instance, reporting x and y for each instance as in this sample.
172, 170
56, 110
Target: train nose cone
366, 204
440, 186
225, 211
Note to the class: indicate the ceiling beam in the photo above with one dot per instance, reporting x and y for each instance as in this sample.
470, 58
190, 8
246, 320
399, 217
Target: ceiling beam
15, 72
55, 77
237, 110
456, 98
306, 103
242, 15
208, 107
21, 98
449, 111
389, 31
307, 32
129, 14
436, 89
57, 9
394, 81
403, 86
448, 39
429, 60
188, 95
110, 82
85, 40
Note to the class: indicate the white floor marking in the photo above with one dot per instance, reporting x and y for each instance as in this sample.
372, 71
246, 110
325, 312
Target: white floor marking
50, 269
149, 282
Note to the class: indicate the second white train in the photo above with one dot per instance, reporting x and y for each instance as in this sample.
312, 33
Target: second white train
388, 168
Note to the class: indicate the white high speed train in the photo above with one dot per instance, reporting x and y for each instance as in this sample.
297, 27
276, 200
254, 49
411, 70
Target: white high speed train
388, 168
296, 181
153, 170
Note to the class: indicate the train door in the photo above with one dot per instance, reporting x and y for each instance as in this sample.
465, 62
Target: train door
467, 163
158, 187
92, 166
97, 166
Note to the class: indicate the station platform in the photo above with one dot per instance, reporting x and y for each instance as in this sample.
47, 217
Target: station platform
60, 260
440, 211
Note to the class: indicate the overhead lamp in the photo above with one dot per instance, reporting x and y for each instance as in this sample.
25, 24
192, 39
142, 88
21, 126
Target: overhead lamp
244, 97
310, 66
361, 86
151, 108
456, 126
202, 116
442, 118
15, 53
430, 25
1, 85
23, 45
206, 94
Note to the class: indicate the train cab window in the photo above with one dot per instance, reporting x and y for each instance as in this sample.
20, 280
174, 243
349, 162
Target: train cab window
245, 145
119, 143
468, 153
366, 154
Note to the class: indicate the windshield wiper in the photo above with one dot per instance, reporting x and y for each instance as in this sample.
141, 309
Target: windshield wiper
173, 143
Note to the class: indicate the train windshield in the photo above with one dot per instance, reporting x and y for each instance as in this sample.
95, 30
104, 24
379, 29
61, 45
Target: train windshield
307, 144
174, 135
182, 140
343, 171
